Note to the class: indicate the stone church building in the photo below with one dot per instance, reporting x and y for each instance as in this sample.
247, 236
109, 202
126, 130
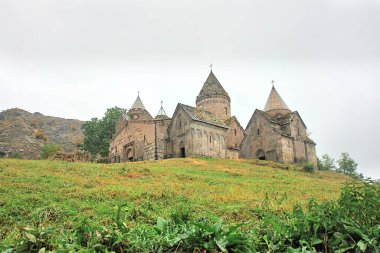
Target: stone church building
208, 129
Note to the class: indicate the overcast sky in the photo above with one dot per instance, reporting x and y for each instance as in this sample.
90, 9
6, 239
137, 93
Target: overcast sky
75, 59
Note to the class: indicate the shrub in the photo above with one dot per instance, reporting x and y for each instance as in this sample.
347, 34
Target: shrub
17, 156
39, 134
49, 150
308, 167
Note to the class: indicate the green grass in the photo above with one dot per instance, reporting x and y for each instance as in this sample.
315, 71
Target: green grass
61, 194
223, 188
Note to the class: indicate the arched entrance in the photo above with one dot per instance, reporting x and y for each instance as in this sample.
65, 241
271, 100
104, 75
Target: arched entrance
130, 154
182, 150
261, 154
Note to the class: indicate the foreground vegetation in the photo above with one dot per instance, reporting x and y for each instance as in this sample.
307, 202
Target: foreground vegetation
183, 205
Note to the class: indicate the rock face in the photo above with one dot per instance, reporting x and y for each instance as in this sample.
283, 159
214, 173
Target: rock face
22, 134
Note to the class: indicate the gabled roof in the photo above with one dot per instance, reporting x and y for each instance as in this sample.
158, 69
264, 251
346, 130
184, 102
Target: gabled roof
211, 87
138, 104
233, 118
275, 102
203, 116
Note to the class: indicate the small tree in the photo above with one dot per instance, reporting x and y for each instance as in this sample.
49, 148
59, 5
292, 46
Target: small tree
326, 163
347, 165
49, 150
98, 132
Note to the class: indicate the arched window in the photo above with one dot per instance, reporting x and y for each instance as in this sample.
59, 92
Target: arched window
235, 131
258, 131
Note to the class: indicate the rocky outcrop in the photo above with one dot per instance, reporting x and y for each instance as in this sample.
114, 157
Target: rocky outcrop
22, 134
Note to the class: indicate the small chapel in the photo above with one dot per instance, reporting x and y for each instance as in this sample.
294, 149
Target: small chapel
208, 129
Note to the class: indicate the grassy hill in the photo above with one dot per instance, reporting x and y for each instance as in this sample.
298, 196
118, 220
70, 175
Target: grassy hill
60, 194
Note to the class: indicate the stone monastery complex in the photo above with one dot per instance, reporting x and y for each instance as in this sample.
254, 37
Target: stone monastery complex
208, 129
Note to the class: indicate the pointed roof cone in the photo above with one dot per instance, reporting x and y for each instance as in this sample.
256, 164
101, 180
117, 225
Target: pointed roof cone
161, 113
275, 102
211, 87
138, 104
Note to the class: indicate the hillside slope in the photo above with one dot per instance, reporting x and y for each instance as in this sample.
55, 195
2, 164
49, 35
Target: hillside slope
181, 205
209, 187
23, 133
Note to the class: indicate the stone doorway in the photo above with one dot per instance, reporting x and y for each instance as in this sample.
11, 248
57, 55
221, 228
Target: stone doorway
129, 155
260, 154
182, 150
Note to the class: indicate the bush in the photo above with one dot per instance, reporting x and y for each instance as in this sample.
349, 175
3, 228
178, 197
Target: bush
49, 150
308, 167
40, 135
17, 156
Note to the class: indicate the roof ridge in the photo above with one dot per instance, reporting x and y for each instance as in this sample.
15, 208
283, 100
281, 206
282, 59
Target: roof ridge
204, 116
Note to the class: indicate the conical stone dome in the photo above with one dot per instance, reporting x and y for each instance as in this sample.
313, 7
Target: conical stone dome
214, 98
138, 104
275, 102
138, 109
212, 87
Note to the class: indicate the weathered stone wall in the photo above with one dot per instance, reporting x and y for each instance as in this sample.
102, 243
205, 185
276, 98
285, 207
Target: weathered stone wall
277, 147
299, 134
135, 138
219, 105
162, 136
286, 150
311, 153
208, 140
235, 134
198, 139
232, 153
179, 135
260, 137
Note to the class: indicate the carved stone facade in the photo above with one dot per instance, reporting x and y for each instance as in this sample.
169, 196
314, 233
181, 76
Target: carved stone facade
278, 134
208, 129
